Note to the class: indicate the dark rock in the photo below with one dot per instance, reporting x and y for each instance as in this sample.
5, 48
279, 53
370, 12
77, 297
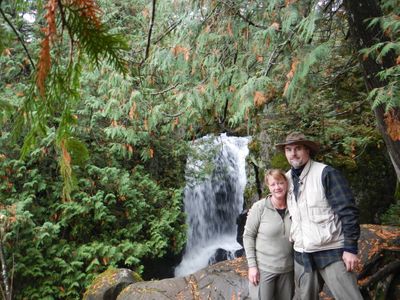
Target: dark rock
240, 253
160, 268
241, 222
220, 255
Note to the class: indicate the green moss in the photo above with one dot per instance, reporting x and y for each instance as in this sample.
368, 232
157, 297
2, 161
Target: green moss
136, 276
109, 278
279, 161
254, 146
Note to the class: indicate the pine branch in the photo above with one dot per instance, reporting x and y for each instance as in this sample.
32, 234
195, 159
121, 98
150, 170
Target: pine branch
17, 34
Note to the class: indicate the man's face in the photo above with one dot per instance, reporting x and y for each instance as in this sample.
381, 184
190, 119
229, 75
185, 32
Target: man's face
297, 155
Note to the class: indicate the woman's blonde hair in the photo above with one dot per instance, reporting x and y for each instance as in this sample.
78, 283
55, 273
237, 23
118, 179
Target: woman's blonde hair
276, 174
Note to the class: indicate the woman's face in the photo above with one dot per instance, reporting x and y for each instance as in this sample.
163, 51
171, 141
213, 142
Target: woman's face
277, 187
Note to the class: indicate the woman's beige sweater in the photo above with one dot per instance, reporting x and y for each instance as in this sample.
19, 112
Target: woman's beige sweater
266, 238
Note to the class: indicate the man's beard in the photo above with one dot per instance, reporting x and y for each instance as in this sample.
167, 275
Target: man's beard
297, 163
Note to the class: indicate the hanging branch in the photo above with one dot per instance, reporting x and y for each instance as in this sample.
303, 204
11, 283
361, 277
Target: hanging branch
153, 12
17, 34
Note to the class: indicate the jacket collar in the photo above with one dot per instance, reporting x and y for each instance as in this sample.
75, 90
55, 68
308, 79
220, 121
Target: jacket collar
306, 170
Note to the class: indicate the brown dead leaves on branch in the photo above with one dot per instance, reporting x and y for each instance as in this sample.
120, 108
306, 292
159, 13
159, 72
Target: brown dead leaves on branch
8, 215
392, 120
50, 33
181, 50
88, 10
290, 76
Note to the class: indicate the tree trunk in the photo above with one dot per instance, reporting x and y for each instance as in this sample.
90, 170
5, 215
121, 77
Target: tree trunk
364, 36
4, 273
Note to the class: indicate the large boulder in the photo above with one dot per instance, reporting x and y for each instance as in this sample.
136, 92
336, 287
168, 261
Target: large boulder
224, 280
109, 284
378, 274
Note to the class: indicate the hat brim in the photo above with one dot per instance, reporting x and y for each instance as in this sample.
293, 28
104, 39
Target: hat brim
313, 146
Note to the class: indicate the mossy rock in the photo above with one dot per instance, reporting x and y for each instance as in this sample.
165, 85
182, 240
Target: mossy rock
110, 283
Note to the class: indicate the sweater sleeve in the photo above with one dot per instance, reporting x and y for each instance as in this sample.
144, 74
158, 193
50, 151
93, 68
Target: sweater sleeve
340, 197
250, 233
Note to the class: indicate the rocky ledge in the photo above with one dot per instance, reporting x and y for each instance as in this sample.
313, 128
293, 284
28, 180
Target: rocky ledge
378, 276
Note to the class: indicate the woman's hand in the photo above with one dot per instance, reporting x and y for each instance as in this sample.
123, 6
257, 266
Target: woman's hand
254, 275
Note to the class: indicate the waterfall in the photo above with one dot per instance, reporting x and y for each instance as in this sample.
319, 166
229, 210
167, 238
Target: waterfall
214, 201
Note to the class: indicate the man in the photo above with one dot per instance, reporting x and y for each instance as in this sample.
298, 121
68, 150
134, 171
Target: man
325, 227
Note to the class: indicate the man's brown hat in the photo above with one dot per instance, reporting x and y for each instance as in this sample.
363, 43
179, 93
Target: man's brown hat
299, 138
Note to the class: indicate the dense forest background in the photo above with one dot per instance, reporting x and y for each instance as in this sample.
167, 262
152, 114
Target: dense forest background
100, 101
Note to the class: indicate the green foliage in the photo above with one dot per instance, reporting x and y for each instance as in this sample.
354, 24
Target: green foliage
392, 215
55, 88
95, 38
279, 161
123, 205
389, 49
117, 217
105, 148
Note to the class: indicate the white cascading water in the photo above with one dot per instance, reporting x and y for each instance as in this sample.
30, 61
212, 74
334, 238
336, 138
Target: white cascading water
213, 203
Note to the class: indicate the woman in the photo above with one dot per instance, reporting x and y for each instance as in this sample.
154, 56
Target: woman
266, 242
